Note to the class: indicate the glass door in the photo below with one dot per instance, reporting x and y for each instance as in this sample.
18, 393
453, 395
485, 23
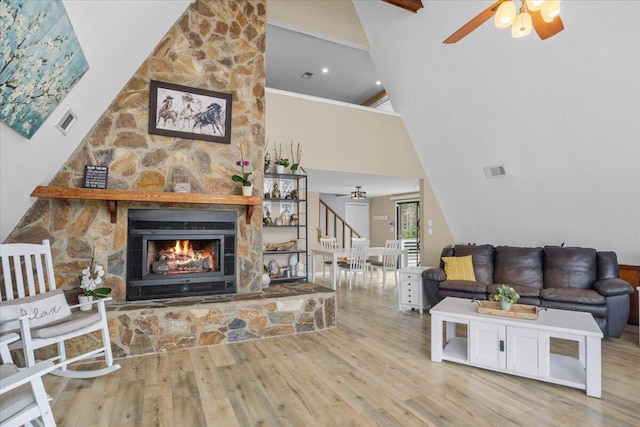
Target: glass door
408, 229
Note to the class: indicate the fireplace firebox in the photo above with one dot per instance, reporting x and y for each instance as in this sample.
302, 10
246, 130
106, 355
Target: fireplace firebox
180, 253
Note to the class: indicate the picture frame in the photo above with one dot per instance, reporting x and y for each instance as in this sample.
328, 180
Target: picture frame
191, 113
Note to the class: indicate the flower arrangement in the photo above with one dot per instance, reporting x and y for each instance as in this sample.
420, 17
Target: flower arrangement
277, 156
244, 178
295, 158
91, 278
505, 293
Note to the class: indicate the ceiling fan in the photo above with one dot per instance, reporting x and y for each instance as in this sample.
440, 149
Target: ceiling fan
542, 15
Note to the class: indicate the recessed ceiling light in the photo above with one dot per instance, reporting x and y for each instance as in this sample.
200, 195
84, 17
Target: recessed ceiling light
378, 82
325, 70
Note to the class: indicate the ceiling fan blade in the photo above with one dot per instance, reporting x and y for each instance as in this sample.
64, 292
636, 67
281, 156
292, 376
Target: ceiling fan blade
480, 19
543, 28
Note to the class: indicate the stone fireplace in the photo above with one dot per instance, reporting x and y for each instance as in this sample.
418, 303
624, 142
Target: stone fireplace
175, 253
216, 46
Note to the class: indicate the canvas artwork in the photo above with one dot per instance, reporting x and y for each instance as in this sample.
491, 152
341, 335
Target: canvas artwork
192, 113
40, 62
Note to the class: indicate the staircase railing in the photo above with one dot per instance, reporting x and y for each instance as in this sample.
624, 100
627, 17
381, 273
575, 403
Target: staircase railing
335, 226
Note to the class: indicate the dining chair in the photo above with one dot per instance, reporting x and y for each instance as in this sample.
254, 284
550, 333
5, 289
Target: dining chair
32, 307
389, 261
23, 399
356, 262
327, 243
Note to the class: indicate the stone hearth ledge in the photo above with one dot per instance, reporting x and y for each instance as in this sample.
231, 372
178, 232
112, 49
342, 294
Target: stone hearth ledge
143, 327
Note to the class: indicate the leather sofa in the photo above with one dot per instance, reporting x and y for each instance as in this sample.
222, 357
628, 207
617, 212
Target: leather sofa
567, 278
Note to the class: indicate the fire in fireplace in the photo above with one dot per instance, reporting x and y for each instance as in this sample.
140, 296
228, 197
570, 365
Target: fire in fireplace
179, 256
178, 253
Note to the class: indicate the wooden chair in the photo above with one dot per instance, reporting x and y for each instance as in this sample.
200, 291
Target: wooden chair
356, 263
389, 260
32, 307
23, 400
327, 243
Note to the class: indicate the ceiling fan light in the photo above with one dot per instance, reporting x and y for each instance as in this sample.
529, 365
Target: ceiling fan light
533, 5
521, 25
550, 9
505, 14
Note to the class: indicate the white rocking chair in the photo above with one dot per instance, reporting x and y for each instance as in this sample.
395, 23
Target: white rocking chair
40, 313
23, 400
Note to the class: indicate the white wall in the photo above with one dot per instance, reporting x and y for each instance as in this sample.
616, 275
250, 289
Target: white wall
562, 115
116, 36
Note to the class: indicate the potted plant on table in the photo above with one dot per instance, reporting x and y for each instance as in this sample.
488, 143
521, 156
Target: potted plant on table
506, 295
91, 278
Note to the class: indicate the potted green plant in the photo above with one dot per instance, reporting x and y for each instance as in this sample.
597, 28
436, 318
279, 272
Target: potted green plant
279, 161
296, 157
506, 295
90, 280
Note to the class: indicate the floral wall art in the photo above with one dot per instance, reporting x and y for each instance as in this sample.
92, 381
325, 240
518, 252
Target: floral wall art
40, 61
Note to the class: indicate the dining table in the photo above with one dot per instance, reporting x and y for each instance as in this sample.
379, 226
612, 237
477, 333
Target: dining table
337, 253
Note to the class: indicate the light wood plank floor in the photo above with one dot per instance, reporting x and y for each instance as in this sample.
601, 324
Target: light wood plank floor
374, 369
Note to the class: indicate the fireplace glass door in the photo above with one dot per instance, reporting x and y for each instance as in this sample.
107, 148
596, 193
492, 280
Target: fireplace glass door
166, 255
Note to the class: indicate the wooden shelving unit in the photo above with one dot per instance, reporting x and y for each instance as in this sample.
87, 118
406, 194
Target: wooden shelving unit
112, 197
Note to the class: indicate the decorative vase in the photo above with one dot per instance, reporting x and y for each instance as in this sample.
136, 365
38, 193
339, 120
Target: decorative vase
265, 280
84, 299
247, 190
505, 305
279, 168
293, 260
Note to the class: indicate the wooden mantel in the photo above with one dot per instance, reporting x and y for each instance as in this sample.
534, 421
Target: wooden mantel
112, 196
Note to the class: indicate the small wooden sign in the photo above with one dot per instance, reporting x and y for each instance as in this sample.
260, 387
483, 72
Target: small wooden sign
95, 176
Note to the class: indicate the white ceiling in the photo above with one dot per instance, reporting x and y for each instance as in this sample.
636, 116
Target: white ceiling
343, 183
351, 78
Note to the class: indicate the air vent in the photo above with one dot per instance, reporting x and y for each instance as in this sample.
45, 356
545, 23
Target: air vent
66, 122
495, 171
306, 75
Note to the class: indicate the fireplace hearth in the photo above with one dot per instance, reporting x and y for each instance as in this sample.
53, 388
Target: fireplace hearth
180, 253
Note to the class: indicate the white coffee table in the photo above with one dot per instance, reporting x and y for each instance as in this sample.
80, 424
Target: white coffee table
520, 347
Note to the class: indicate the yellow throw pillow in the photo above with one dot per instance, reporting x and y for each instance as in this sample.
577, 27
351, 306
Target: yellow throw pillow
459, 268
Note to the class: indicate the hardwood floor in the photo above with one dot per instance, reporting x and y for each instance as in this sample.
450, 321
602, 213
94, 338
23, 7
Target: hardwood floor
373, 369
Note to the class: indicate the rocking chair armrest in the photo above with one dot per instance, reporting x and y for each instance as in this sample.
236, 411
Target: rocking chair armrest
26, 375
12, 337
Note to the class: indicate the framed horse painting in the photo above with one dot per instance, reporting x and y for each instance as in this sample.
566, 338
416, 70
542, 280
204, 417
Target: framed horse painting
192, 113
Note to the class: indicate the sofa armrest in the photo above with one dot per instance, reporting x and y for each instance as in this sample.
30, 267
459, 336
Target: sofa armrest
431, 279
612, 287
434, 275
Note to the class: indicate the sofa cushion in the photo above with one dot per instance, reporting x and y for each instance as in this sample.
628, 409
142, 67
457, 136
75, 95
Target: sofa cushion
464, 286
607, 265
518, 266
598, 311
574, 296
458, 268
482, 257
522, 290
569, 267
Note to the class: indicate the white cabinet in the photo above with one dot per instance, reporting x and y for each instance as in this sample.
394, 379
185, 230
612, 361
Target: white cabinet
411, 295
509, 348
